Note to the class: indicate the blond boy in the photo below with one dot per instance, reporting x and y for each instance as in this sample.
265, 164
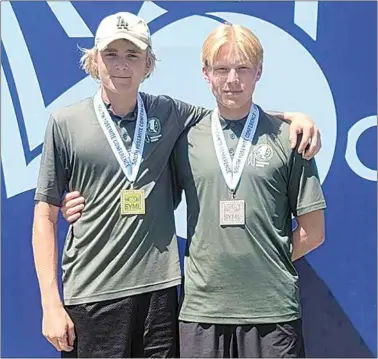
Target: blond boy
241, 295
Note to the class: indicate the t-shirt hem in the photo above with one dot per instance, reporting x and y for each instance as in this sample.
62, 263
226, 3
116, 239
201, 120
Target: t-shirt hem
48, 199
229, 319
123, 293
311, 208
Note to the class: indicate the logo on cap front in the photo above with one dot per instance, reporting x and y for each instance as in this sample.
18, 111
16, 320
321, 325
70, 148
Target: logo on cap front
122, 24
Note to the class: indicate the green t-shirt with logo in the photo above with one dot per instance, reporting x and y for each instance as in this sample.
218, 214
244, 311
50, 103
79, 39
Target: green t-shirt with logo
108, 255
243, 274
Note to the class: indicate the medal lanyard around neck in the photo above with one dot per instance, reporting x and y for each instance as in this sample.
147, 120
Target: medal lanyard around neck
232, 169
129, 162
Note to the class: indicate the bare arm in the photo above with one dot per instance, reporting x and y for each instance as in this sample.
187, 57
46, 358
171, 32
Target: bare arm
46, 253
309, 233
57, 326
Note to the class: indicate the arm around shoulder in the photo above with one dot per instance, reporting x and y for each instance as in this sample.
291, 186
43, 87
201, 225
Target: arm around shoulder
310, 142
188, 115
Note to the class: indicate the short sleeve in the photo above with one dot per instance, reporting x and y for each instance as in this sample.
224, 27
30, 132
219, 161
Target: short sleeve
176, 187
304, 188
188, 115
53, 173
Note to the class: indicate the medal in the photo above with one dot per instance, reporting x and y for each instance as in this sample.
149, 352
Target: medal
232, 212
132, 202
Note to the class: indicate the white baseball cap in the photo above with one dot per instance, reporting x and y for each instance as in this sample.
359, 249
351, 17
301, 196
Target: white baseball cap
123, 25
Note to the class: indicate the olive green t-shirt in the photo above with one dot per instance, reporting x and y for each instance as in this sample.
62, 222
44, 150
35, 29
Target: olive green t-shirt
107, 255
243, 274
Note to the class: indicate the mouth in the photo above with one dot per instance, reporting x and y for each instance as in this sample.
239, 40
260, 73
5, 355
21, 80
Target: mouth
121, 77
232, 93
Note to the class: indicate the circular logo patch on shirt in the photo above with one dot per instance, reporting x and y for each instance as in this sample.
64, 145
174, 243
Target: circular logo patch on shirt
263, 153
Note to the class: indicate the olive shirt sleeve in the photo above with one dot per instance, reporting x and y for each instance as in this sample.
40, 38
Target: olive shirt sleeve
304, 188
188, 115
176, 185
53, 173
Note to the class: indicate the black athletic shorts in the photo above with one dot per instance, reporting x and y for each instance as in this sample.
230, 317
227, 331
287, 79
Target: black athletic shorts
143, 326
279, 340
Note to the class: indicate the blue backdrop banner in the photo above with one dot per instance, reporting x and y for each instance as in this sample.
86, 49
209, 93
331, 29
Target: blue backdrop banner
320, 58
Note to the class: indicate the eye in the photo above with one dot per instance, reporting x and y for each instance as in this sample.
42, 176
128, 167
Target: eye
132, 56
110, 54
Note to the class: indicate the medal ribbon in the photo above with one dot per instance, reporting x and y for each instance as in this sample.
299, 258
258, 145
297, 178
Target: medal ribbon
232, 169
129, 162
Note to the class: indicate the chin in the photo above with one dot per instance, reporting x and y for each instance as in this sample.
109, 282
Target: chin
231, 104
120, 88
236, 102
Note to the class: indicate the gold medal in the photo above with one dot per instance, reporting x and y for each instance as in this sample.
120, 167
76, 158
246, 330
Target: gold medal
232, 213
132, 202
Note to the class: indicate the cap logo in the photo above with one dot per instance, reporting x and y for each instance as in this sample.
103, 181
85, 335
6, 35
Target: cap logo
122, 24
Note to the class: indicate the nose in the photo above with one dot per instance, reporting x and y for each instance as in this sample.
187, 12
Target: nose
232, 76
122, 66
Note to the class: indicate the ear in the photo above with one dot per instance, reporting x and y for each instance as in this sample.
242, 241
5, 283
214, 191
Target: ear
205, 72
259, 72
148, 66
148, 60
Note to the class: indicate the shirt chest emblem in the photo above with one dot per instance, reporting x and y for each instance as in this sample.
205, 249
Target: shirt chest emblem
260, 156
153, 130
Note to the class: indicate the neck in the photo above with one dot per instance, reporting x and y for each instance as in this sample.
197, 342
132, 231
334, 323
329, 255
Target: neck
121, 104
234, 113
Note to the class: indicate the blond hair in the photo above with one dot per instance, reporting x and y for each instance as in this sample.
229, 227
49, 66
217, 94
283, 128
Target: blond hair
242, 39
88, 63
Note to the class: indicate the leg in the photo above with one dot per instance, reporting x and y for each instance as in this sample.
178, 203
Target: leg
103, 329
280, 340
199, 340
156, 332
247, 343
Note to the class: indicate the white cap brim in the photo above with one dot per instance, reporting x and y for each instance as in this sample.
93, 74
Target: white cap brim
103, 43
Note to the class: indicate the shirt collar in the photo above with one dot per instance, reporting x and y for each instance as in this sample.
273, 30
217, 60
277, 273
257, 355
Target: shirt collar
231, 123
129, 117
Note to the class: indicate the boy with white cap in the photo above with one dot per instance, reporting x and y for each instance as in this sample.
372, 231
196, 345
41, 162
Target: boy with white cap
120, 262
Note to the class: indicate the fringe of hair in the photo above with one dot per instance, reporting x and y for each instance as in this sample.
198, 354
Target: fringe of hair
88, 64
